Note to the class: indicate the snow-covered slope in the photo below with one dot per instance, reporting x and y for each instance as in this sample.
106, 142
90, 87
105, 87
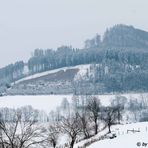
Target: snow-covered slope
59, 81
82, 71
126, 138
82, 79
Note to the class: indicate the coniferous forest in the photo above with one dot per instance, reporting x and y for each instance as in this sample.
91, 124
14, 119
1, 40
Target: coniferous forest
122, 49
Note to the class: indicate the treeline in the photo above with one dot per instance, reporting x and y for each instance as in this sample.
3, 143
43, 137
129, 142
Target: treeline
85, 116
7, 114
123, 71
115, 70
77, 123
77, 119
120, 43
43, 60
125, 36
10, 73
119, 37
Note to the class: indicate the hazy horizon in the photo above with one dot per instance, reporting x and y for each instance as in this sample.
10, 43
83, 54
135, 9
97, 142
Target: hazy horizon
29, 24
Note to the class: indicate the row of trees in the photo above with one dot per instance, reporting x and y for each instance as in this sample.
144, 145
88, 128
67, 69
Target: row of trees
78, 119
7, 114
85, 116
12, 72
43, 60
82, 121
121, 43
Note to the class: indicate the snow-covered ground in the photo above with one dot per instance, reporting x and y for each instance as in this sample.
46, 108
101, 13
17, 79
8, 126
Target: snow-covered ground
50, 102
124, 139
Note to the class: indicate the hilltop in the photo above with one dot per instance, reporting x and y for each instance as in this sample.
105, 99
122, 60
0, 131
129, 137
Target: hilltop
124, 36
117, 63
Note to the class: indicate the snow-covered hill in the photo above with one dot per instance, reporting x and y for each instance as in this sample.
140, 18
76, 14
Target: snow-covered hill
126, 138
59, 81
82, 69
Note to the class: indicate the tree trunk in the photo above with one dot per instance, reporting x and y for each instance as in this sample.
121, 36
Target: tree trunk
86, 134
109, 130
96, 128
54, 145
119, 116
72, 143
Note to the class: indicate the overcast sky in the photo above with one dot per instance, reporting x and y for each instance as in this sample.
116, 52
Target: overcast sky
29, 24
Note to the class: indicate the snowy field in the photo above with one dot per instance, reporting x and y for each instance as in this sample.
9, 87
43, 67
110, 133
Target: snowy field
124, 139
50, 102
46, 103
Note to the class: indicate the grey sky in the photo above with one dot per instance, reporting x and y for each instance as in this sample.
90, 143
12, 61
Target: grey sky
29, 24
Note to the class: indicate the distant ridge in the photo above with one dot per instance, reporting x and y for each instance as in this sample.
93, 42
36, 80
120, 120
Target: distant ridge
125, 36
119, 63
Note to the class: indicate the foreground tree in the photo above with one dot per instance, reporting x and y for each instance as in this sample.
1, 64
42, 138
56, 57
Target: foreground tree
20, 133
119, 103
72, 127
93, 108
52, 135
110, 116
85, 124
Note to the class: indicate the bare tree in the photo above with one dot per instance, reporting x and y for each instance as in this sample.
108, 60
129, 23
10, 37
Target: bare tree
19, 133
144, 101
65, 107
85, 123
134, 106
52, 135
119, 104
84, 116
71, 126
94, 109
110, 116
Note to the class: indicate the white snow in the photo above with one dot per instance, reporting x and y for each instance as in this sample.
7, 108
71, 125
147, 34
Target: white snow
82, 72
126, 140
50, 102
81, 144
